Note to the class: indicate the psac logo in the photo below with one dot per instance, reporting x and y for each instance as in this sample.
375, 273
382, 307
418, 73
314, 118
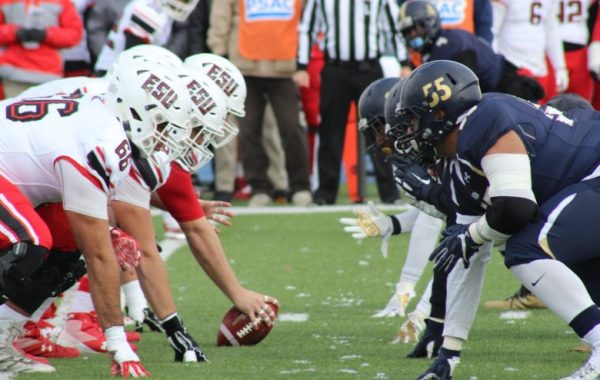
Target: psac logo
222, 79
451, 11
160, 91
269, 10
201, 97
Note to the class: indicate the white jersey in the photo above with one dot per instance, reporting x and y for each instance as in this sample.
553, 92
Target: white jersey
522, 33
142, 18
67, 86
36, 134
573, 16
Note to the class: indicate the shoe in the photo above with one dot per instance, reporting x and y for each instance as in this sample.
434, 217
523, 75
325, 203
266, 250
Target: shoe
590, 370
82, 331
396, 306
33, 342
174, 233
431, 341
151, 320
443, 366
521, 300
302, 198
320, 198
224, 196
260, 200
411, 329
12, 359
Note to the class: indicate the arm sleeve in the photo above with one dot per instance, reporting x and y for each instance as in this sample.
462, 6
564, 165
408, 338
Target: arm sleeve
69, 31
484, 20
79, 193
221, 18
178, 196
306, 32
130, 191
554, 45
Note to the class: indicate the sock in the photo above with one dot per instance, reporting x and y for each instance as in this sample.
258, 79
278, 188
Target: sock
82, 300
172, 324
424, 306
135, 300
7, 312
452, 343
556, 285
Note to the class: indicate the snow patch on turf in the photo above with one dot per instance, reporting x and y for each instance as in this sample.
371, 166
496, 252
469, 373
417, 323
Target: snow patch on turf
348, 371
515, 315
290, 287
301, 361
295, 371
350, 357
293, 317
363, 263
302, 295
381, 375
511, 369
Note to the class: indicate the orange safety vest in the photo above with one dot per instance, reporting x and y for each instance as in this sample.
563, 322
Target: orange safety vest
456, 14
268, 29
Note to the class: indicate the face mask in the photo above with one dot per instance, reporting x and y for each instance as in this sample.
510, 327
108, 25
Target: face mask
416, 43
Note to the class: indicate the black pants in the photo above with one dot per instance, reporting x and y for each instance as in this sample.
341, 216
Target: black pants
340, 85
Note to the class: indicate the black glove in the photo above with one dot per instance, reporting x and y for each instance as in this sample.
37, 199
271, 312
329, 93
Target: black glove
456, 244
413, 178
443, 366
182, 342
430, 342
31, 35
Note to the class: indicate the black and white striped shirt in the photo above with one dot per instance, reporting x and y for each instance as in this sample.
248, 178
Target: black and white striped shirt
354, 30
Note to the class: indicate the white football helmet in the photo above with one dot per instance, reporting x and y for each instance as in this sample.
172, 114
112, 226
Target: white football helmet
207, 119
178, 9
225, 75
152, 105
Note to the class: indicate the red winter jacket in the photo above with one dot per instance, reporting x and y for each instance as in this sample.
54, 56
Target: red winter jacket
42, 63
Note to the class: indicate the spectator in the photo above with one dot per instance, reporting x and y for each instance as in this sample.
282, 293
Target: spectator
267, 69
32, 35
77, 60
100, 20
351, 65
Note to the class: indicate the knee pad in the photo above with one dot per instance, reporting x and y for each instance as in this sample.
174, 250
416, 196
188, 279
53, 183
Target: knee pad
69, 267
18, 263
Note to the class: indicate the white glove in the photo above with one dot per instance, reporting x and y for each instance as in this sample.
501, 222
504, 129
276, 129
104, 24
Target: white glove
562, 79
594, 57
370, 223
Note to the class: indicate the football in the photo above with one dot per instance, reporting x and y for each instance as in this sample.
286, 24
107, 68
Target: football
237, 330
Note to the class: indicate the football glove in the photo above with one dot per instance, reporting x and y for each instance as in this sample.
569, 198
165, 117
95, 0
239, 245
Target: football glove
456, 244
413, 178
443, 366
431, 341
370, 223
127, 249
561, 79
125, 362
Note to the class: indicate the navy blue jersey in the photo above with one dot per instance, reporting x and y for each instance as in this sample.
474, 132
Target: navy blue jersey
454, 43
562, 151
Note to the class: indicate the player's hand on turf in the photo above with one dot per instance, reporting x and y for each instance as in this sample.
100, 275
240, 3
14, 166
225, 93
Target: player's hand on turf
186, 348
443, 366
127, 249
254, 305
125, 362
370, 223
456, 244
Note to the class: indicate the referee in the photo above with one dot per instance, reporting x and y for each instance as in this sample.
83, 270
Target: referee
356, 33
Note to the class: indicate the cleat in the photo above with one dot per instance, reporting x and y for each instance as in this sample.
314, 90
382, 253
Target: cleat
443, 366
521, 300
590, 370
396, 306
431, 341
35, 343
151, 320
82, 331
411, 329
12, 359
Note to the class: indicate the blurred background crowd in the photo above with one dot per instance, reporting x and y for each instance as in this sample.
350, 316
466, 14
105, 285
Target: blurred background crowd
305, 64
